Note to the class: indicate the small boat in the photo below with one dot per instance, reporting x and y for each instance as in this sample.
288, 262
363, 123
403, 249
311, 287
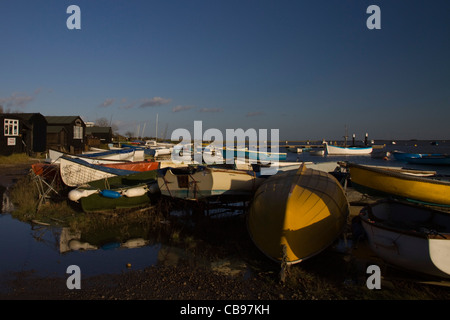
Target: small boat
245, 153
160, 152
317, 152
117, 192
300, 212
413, 237
294, 149
413, 185
407, 156
54, 157
328, 166
203, 181
347, 150
155, 144
76, 171
431, 159
134, 166
129, 154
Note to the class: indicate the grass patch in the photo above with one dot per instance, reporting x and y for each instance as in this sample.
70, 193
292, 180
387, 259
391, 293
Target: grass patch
24, 195
26, 199
15, 158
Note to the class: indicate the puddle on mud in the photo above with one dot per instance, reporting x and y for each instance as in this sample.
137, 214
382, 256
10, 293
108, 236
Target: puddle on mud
47, 250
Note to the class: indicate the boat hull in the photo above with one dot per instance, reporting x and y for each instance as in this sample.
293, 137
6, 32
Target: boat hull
54, 157
381, 181
206, 182
98, 203
134, 166
403, 235
299, 211
75, 172
253, 155
119, 154
421, 158
118, 192
347, 151
434, 160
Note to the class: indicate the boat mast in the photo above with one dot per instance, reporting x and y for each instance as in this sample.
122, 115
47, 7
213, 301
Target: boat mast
156, 136
143, 129
346, 136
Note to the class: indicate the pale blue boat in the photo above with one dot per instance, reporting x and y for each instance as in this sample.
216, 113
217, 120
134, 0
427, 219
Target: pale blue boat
431, 159
266, 156
422, 158
109, 153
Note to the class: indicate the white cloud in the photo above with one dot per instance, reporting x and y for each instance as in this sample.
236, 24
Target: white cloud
107, 103
181, 108
154, 102
19, 99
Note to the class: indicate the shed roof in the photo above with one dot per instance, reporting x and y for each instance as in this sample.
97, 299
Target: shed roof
55, 129
29, 116
62, 119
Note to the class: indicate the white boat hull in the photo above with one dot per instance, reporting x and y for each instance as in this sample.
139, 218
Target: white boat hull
208, 182
416, 250
74, 174
286, 166
55, 156
122, 156
347, 151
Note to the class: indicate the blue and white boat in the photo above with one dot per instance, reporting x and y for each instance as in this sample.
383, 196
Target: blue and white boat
75, 171
347, 150
431, 159
116, 154
422, 158
54, 156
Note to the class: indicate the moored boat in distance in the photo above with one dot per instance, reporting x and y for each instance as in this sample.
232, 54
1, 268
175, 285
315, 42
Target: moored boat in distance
246, 153
347, 150
297, 214
413, 237
317, 152
408, 157
431, 159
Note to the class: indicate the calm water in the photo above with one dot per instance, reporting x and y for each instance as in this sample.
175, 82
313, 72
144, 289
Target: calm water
44, 250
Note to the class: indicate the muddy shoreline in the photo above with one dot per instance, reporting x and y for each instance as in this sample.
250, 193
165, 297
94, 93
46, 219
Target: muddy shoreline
312, 280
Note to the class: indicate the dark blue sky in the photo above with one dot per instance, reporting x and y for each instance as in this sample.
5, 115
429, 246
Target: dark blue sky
307, 68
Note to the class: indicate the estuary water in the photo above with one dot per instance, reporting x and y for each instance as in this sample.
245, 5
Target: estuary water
49, 250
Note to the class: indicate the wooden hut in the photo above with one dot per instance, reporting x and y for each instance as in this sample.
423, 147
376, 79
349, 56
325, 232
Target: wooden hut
57, 138
11, 137
102, 134
72, 138
35, 141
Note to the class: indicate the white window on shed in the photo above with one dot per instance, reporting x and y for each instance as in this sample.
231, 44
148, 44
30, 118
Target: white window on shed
11, 127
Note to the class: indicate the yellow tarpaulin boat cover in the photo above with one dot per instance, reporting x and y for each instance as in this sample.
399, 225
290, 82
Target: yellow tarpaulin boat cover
302, 210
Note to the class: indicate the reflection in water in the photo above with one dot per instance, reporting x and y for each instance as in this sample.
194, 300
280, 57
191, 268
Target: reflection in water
7, 205
70, 240
112, 248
